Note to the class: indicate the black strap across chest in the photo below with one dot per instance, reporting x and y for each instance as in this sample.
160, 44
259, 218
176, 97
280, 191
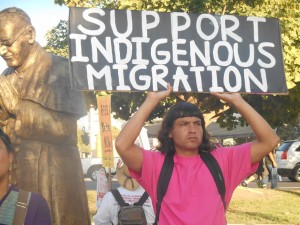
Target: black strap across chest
121, 201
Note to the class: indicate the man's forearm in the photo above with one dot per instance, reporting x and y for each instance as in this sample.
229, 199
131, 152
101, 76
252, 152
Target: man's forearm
264, 133
131, 130
130, 153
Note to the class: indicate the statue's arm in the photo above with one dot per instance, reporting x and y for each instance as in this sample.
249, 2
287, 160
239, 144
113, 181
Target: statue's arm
34, 122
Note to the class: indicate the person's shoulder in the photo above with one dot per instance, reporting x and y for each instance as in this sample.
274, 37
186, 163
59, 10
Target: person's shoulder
38, 196
154, 156
233, 147
37, 199
38, 209
108, 196
139, 190
153, 151
229, 151
123, 190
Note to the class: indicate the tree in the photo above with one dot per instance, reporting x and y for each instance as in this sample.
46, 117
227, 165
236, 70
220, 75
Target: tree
278, 110
83, 141
57, 41
290, 131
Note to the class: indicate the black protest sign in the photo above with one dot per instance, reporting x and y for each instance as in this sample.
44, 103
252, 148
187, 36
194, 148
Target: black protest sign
123, 50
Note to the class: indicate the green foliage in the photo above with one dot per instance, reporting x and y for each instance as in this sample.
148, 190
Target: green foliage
290, 131
125, 104
57, 42
82, 3
82, 144
278, 110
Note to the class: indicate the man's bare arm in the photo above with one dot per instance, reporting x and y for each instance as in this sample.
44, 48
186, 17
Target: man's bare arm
266, 138
130, 153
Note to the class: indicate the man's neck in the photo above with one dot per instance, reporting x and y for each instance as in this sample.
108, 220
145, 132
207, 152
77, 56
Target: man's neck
187, 153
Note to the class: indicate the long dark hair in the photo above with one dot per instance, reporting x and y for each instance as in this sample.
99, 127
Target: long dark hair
4, 137
179, 110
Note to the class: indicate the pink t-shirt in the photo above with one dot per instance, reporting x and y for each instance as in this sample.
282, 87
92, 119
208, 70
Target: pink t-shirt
192, 197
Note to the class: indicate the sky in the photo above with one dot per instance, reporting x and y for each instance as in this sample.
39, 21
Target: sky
44, 16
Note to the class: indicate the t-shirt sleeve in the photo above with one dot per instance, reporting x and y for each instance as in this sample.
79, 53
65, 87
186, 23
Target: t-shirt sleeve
236, 165
152, 164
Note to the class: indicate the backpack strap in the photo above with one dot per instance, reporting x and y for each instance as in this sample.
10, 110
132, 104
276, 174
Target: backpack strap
166, 173
119, 198
142, 200
216, 172
21, 207
163, 182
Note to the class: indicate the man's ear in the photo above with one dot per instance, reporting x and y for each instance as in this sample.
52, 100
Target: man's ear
32, 34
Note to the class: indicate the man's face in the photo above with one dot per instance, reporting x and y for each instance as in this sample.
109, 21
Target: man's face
14, 45
187, 135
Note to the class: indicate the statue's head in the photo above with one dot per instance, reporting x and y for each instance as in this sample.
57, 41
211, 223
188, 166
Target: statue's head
17, 36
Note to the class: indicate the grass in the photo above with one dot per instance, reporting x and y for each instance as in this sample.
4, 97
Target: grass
92, 196
274, 207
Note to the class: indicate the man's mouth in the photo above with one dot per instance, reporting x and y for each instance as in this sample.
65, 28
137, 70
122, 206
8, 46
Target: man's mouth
192, 138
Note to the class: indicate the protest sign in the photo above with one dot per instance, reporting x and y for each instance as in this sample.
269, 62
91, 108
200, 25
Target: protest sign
104, 108
123, 50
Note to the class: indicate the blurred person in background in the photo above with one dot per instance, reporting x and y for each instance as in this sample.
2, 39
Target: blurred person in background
130, 191
260, 174
271, 166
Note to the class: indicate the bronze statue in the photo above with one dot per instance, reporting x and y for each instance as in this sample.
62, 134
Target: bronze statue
39, 112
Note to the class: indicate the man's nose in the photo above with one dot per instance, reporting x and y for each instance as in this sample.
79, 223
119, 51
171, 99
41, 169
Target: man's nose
192, 128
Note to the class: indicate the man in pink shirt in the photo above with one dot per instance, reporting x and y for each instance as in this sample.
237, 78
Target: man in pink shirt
192, 196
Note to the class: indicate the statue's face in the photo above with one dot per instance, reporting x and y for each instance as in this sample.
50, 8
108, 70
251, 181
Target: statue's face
14, 45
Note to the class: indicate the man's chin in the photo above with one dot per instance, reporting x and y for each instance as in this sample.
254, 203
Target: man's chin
11, 63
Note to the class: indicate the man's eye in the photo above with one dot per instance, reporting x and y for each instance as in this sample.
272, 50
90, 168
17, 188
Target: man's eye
198, 123
182, 124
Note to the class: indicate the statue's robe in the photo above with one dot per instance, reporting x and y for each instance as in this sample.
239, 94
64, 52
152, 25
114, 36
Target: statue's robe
45, 128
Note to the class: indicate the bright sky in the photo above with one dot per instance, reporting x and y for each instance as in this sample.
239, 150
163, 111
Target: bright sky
44, 15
